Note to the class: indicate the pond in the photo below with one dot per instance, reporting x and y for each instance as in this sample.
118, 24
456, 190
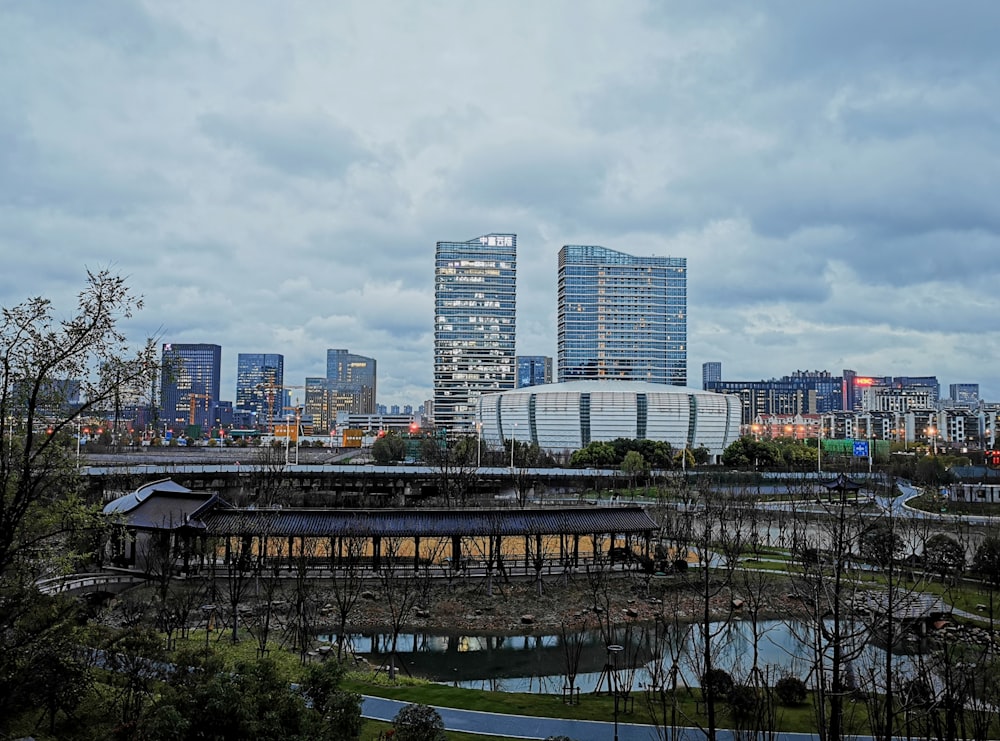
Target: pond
538, 663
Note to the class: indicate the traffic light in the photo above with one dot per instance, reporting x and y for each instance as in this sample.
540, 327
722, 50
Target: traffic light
992, 457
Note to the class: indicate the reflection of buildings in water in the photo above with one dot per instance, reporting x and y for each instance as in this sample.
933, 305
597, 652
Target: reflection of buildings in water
495, 657
526, 663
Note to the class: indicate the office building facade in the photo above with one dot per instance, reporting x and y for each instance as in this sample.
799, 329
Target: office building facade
803, 392
964, 394
259, 381
189, 383
711, 372
475, 301
353, 376
621, 317
533, 370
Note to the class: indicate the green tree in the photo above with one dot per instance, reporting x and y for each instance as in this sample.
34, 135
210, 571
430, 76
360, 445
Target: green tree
340, 710
881, 543
418, 723
389, 449
42, 513
986, 565
635, 467
944, 556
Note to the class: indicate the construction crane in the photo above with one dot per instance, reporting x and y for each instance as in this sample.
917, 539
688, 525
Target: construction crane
192, 401
271, 389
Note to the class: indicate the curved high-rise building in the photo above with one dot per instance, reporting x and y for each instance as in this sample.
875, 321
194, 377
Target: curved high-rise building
621, 317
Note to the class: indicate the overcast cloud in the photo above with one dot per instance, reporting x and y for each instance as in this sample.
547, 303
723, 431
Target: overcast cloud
273, 176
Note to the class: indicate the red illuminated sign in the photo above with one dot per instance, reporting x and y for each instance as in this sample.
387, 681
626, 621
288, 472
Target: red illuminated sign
864, 381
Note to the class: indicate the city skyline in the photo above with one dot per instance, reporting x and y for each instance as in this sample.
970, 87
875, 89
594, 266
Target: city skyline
277, 184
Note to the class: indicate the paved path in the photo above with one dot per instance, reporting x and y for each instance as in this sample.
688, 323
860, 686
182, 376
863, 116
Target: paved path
528, 727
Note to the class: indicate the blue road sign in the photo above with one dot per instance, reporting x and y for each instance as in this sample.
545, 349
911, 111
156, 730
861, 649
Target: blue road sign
860, 448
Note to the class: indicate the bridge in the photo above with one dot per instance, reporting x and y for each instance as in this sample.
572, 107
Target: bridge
92, 583
335, 484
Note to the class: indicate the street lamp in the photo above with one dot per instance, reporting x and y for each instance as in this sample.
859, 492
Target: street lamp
513, 441
613, 651
819, 447
209, 611
288, 434
932, 433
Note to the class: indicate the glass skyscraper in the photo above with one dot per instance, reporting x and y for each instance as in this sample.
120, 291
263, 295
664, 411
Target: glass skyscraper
259, 378
349, 387
190, 384
533, 370
353, 375
474, 325
621, 317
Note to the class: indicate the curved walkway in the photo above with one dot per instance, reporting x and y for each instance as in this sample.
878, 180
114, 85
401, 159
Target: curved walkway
530, 727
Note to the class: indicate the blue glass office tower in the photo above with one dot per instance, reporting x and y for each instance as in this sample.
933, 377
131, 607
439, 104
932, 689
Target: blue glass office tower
259, 378
621, 317
474, 325
190, 384
533, 370
354, 376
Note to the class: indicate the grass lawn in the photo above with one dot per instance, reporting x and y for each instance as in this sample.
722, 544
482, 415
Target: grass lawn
934, 503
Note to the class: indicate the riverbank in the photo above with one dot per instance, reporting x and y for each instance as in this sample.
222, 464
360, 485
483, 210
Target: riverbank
572, 603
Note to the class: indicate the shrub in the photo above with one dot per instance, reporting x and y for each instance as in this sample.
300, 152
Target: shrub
790, 690
418, 723
716, 683
742, 701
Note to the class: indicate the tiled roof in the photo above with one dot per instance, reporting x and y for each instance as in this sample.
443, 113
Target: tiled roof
170, 510
427, 523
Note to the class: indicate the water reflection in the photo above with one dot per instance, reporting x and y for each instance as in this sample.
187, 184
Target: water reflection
530, 663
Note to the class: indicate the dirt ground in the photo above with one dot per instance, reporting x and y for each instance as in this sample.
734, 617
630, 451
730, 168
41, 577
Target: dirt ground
518, 607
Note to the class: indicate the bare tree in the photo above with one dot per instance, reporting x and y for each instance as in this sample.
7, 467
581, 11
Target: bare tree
304, 597
41, 359
400, 590
455, 462
715, 546
347, 581
825, 586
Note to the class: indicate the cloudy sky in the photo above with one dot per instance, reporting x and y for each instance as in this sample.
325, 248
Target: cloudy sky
273, 176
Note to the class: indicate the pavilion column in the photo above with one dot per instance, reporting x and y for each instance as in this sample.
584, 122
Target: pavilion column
527, 552
228, 552
576, 550
456, 552
376, 552
291, 551
416, 553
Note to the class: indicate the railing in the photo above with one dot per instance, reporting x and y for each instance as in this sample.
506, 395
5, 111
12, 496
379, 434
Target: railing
78, 582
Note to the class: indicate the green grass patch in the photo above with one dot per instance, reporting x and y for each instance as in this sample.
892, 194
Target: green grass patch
929, 502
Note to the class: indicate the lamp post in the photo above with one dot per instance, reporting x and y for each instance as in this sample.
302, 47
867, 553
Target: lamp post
513, 442
819, 447
932, 433
209, 611
613, 650
288, 435
479, 445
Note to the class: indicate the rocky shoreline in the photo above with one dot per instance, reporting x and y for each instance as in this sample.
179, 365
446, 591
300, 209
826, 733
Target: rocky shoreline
518, 608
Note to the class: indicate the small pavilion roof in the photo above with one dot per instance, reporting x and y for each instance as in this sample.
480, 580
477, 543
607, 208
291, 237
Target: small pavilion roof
295, 522
842, 483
